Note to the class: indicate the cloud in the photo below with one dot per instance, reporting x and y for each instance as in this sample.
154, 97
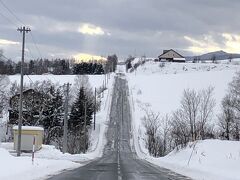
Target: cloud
8, 42
91, 29
203, 45
125, 27
208, 43
232, 42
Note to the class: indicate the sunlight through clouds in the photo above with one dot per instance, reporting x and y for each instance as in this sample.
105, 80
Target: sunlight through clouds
88, 57
7, 42
91, 29
232, 42
209, 44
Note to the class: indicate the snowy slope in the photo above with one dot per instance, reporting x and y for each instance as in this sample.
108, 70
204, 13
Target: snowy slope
160, 89
208, 160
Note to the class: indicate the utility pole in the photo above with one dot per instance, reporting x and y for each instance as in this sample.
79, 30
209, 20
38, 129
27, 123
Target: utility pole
95, 108
65, 128
105, 80
85, 124
22, 30
122, 105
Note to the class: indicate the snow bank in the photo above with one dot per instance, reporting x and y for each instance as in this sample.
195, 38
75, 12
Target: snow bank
22, 167
211, 160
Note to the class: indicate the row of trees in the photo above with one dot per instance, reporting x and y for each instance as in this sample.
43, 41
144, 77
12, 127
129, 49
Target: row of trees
39, 66
58, 66
194, 120
88, 68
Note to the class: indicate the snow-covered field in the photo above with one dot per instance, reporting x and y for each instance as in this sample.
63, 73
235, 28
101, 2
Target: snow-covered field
21, 168
49, 160
160, 89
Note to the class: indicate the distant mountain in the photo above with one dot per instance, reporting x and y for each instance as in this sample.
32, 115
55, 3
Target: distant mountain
217, 55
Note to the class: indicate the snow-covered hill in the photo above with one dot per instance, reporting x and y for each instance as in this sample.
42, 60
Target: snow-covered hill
159, 87
217, 55
162, 86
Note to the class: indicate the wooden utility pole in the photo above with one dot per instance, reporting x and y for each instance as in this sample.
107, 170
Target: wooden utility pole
95, 109
85, 127
22, 30
65, 128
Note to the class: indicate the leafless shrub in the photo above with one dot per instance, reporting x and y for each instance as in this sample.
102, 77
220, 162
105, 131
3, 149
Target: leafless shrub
191, 121
157, 133
229, 119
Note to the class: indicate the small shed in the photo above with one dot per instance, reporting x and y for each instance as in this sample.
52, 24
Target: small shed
28, 134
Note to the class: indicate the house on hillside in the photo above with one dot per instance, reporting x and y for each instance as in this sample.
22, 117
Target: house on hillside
32, 106
171, 56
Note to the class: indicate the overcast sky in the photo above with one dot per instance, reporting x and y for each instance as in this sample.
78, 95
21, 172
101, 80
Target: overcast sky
65, 28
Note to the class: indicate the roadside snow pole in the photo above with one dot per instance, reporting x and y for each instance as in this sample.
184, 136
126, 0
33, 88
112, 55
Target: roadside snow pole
33, 148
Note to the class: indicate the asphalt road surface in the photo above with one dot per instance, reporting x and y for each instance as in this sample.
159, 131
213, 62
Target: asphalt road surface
119, 161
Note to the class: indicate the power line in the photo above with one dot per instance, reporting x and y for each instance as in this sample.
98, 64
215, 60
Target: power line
9, 20
11, 12
5, 57
34, 41
21, 22
30, 78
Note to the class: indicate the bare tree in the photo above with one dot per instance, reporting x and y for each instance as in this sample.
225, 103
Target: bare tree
158, 139
180, 129
151, 124
234, 91
226, 118
207, 104
190, 121
190, 105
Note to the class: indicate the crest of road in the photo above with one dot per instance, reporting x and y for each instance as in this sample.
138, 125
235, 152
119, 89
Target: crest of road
119, 160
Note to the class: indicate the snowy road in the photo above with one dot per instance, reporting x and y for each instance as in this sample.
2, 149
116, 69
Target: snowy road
119, 161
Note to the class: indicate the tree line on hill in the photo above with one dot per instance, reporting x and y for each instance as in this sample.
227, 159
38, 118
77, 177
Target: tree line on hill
58, 66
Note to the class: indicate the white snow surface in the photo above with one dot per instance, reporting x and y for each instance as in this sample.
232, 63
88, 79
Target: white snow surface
29, 128
22, 168
94, 80
210, 160
161, 89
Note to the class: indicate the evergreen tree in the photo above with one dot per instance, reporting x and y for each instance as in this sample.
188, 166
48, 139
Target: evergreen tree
53, 116
76, 121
